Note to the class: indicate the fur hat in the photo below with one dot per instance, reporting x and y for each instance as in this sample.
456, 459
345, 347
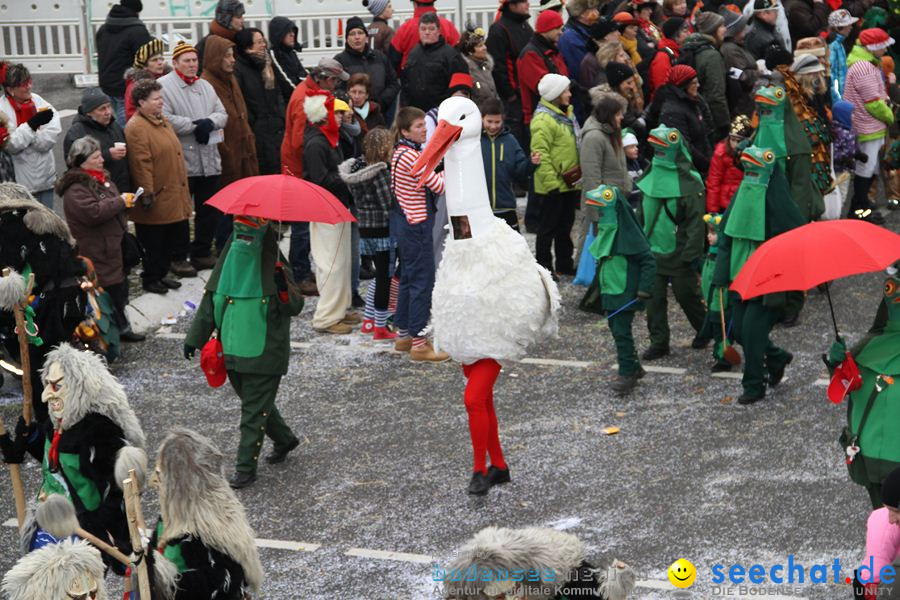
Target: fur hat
92, 98
875, 38
777, 56
152, 48
552, 85
376, 7
315, 109
681, 74
548, 20
814, 46
226, 10
55, 571
672, 26
576, 8
38, 218
708, 22
617, 72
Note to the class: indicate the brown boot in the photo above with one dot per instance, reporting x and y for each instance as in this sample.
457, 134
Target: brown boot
338, 328
352, 318
308, 288
183, 268
203, 262
403, 344
426, 353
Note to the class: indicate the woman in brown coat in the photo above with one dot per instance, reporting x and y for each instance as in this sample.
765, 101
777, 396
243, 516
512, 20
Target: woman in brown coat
95, 212
157, 165
238, 151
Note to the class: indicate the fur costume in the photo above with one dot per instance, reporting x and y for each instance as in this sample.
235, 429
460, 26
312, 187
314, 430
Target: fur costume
88, 447
555, 560
203, 530
56, 572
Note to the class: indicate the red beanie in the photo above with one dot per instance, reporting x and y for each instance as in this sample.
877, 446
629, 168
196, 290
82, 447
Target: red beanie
547, 21
462, 80
875, 39
681, 74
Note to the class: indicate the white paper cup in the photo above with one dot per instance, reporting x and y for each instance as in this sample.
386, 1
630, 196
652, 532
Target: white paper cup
119, 145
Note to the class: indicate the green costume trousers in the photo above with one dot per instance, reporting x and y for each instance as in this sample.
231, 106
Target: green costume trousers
686, 288
259, 417
620, 326
752, 324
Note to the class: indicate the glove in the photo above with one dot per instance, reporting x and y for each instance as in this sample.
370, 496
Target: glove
837, 352
203, 129
861, 156
40, 118
189, 351
643, 295
13, 450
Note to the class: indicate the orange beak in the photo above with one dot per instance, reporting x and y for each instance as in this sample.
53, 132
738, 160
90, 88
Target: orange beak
444, 136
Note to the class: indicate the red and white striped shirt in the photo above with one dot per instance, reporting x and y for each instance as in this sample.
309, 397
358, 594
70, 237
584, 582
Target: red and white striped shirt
410, 197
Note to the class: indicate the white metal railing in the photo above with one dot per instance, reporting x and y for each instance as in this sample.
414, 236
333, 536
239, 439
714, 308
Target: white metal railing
57, 46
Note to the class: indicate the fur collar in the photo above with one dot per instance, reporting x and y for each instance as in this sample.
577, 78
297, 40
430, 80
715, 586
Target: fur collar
360, 175
45, 573
79, 177
38, 218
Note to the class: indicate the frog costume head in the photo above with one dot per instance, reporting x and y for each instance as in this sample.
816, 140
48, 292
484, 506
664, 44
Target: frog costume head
671, 173
747, 212
770, 105
618, 231
64, 570
240, 274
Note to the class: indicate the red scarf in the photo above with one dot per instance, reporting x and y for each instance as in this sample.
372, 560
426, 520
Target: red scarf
100, 176
53, 455
186, 79
331, 128
24, 111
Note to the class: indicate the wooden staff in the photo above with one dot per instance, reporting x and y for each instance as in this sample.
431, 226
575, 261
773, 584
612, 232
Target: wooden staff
103, 546
15, 475
24, 357
135, 524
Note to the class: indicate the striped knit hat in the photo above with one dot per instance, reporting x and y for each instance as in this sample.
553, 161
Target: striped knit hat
152, 48
182, 47
681, 74
875, 39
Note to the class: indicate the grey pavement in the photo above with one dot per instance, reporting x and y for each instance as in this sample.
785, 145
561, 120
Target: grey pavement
385, 456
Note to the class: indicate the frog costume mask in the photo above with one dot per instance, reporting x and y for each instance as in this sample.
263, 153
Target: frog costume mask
747, 220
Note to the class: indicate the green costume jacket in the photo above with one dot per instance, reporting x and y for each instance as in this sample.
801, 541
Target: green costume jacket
757, 213
254, 327
625, 265
673, 204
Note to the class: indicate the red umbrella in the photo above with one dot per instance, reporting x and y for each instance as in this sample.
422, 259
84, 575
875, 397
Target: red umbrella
814, 254
281, 198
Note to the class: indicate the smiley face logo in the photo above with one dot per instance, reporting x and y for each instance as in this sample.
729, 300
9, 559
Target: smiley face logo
682, 573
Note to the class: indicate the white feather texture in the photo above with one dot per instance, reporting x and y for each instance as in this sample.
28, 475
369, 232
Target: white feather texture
491, 299
44, 574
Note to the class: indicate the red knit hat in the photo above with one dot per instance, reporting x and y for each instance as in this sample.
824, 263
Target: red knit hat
681, 74
875, 39
461, 80
548, 21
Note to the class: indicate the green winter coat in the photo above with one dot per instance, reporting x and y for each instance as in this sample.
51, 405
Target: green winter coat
710, 67
272, 320
553, 135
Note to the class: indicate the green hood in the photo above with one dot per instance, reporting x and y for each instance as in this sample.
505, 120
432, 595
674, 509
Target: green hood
860, 53
250, 271
747, 211
618, 231
882, 353
779, 129
671, 173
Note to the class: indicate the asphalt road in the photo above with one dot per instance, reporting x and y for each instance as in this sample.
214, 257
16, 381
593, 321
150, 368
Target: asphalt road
385, 457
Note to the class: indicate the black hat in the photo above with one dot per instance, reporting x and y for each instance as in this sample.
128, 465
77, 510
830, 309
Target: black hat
355, 23
776, 56
134, 5
92, 98
890, 489
602, 28
764, 5
672, 26
617, 72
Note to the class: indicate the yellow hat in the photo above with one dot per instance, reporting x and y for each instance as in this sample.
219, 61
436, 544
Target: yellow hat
341, 106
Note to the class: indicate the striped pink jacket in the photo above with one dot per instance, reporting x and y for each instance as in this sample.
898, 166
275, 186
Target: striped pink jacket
864, 84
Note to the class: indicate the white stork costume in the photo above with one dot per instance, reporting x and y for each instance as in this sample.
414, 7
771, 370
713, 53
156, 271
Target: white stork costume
485, 265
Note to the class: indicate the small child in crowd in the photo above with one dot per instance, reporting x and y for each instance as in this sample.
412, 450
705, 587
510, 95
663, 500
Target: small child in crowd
635, 165
724, 176
505, 162
712, 325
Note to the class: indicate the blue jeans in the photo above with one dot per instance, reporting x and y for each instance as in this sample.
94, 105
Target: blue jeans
45, 197
299, 252
416, 272
118, 106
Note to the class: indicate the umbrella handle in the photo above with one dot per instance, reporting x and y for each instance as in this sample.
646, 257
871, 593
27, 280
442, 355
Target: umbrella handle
831, 308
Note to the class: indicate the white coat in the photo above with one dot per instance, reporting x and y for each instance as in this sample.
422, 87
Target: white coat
32, 151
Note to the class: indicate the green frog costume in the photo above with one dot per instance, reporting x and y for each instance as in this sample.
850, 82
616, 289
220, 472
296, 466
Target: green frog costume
757, 213
625, 272
672, 210
878, 361
712, 325
250, 299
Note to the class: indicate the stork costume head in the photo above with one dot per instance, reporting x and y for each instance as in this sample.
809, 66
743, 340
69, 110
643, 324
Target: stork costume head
58, 571
485, 263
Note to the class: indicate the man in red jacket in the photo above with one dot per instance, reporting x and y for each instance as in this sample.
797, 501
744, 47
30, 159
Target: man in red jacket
539, 57
407, 36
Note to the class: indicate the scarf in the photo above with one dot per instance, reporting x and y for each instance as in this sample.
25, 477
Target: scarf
409, 144
53, 454
24, 111
362, 111
186, 79
100, 176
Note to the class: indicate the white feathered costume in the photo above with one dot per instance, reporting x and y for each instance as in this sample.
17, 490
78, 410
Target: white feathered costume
491, 299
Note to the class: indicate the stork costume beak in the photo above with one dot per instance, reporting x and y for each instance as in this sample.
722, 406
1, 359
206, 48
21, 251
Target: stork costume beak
444, 136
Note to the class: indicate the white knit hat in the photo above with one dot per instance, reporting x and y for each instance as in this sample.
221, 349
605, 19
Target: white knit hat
552, 85
629, 139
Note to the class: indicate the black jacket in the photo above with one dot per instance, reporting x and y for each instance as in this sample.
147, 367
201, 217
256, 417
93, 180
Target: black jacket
506, 39
760, 37
118, 39
107, 135
690, 117
427, 73
289, 70
806, 18
321, 162
376, 65
265, 113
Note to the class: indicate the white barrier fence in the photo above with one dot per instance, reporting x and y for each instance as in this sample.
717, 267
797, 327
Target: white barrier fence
59, 45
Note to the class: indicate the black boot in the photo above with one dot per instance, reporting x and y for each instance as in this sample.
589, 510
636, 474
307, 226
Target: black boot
776, 375
654, 353
623, 384
479, 484
241, 479
497, 476
278, 455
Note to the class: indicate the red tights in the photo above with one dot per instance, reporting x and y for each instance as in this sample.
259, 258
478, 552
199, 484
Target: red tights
479, 399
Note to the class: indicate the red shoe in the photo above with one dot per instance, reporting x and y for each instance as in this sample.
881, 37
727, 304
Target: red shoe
368, 326
383, 333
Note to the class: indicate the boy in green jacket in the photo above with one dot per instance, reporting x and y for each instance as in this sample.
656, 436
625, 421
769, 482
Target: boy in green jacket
626, 270
249, 300
557, 179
